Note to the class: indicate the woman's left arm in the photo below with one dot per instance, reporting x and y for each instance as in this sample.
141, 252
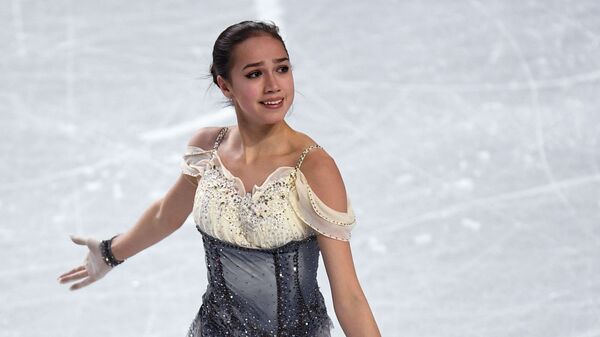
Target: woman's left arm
349, 301
350, 304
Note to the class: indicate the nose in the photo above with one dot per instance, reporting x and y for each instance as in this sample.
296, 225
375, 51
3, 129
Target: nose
271, 84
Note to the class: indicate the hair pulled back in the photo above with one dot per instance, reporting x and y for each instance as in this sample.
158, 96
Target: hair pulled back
233, 35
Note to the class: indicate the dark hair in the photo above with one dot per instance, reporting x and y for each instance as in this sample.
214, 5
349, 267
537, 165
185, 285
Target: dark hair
233, 35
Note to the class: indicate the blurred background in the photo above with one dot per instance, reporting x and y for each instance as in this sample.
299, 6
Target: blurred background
467, 133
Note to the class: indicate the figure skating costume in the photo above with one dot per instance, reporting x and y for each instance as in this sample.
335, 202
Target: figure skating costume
261, 249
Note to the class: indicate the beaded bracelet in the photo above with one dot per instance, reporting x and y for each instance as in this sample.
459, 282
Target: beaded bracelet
107, 254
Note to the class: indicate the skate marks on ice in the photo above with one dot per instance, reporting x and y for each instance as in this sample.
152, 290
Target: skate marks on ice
466, 133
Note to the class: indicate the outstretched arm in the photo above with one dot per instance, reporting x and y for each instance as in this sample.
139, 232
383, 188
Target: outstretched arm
350, 304
162, 218
166, 214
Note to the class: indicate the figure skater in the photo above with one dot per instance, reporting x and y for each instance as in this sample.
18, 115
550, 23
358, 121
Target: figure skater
266, 200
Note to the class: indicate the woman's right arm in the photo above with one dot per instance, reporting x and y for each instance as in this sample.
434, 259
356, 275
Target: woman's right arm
167, 214
162, 218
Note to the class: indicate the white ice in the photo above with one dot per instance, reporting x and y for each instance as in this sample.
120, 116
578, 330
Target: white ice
467, 133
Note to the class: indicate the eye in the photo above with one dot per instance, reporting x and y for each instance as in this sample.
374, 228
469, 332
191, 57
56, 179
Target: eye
283, 69
253, 74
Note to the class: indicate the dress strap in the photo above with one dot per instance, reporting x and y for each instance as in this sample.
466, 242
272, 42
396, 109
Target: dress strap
304, 153
220, 136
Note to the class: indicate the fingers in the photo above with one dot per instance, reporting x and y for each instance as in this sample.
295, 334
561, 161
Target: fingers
81, 284
74, 274
81, 271
82, 267
78, 240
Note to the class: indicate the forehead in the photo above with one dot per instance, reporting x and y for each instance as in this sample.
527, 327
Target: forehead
257, 48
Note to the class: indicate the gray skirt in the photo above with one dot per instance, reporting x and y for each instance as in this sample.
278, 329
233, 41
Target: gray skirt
261, 292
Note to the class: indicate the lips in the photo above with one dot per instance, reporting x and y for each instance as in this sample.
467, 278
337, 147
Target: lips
273, 103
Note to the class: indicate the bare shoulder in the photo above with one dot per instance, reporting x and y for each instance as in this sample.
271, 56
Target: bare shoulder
324, 178
205, 137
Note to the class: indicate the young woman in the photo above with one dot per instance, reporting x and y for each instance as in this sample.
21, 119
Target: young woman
266, 199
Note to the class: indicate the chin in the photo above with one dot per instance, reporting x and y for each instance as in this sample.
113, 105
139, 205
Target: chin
273, 118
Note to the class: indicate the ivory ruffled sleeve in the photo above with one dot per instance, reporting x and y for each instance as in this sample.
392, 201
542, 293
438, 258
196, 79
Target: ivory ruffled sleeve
316, 214
195, 160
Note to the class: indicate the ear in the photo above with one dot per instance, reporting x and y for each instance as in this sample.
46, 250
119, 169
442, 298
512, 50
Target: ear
224, 86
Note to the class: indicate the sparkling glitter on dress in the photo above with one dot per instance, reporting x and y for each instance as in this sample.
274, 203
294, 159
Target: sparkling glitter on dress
261, 250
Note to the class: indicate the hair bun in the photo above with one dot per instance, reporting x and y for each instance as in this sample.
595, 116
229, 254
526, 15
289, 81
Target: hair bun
213, 72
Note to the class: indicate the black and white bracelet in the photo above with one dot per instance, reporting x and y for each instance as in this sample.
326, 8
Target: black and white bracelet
107, 254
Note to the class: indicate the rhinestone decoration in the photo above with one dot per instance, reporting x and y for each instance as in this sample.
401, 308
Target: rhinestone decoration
261, 258
262, 218
277, 291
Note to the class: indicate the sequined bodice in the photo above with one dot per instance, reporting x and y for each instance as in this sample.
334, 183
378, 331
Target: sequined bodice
261, 250
262, 218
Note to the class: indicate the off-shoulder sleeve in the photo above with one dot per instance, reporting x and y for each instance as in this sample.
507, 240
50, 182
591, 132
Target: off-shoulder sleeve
316, 214
194, 161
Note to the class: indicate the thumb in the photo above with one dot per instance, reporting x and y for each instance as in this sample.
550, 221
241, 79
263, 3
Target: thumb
78, 240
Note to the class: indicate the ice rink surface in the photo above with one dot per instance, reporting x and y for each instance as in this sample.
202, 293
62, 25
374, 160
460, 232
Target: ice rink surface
467, 133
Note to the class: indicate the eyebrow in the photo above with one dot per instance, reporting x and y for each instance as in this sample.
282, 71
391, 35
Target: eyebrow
279, 60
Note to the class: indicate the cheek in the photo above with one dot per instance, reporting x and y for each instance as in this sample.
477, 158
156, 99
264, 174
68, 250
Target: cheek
290, 86
250, 94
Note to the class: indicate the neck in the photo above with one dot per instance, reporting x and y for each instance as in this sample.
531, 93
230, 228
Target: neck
252, 142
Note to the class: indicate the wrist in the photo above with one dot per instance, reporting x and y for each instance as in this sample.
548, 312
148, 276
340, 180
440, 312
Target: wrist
107, 253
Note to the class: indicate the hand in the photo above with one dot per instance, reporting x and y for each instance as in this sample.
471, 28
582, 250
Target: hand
93, 267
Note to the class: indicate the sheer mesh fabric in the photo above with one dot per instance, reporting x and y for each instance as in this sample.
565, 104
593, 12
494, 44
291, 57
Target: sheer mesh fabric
261, 249
218, 212
261, 292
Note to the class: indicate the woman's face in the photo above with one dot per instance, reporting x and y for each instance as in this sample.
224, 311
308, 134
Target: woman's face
260, 84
